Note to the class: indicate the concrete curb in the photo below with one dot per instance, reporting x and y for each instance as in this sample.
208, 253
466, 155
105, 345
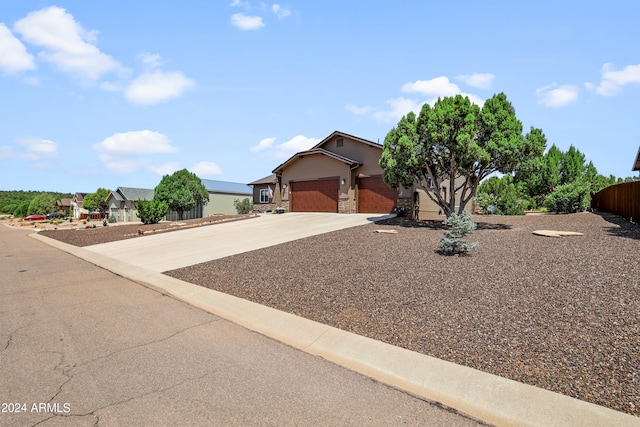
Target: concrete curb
486, 397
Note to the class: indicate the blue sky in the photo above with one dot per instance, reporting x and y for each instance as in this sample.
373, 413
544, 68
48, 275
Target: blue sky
108, 94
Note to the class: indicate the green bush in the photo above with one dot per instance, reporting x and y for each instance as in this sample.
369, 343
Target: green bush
243, 207
113, 219
460, 226
104, 223
569, 198
151, 211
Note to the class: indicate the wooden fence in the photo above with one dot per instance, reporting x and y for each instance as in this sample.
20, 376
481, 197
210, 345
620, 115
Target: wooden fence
620, 199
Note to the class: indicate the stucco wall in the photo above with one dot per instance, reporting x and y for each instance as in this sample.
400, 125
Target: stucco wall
316, 166
220, 203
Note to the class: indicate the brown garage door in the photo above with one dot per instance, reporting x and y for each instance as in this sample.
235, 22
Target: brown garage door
314, 196
374, 196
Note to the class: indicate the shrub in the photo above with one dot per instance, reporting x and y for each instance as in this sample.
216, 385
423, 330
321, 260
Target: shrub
151, 211
569, 198
460, 226
104, 223
243, 207
113, 219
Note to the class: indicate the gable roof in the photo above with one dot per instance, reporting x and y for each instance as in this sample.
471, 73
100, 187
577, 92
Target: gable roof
271, 179
636, 164
78, 197
227, 187
352, 163
346, 135
129, 193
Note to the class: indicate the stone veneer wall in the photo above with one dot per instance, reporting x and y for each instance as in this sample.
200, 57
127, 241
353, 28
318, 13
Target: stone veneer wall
344, 205
407, 204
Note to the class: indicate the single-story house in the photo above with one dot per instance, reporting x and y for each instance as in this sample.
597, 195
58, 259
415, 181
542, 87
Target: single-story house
222, 194
339, 174
76, 205
121, 203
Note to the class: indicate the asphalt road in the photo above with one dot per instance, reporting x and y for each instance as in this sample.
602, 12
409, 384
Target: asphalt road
82, 346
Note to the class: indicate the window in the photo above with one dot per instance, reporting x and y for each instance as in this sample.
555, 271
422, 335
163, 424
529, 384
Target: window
339, 142
264, 195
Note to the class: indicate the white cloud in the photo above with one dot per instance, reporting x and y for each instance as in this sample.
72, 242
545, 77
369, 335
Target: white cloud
152, 60
136, 142
206, 169
286, 149
478, 80
398, 108
263, 145
436, 87
280, 12
359, 111
65, 43
557, 96
245, 22
613, 80
165, 169
13, 54
38, 148
297, 143
156, 87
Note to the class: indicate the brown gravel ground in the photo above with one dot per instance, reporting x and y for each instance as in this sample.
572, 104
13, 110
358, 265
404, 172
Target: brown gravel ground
558, 313
81, 236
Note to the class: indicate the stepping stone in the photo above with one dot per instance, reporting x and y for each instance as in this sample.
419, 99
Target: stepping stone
554, 233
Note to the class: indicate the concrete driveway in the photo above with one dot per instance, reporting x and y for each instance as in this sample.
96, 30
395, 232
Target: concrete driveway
168, 251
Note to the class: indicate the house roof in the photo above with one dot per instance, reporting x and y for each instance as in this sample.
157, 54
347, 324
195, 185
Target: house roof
636, 164
134, 194
355, 138
271, 179
78, 197
63, 202
227, 187
314, 151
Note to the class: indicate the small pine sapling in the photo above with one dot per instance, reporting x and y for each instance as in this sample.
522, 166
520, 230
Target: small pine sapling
460, 226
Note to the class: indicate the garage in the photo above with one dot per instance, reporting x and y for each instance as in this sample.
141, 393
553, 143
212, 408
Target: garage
315, 196
374, 196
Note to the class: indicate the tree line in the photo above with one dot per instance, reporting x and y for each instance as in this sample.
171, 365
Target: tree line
21, 203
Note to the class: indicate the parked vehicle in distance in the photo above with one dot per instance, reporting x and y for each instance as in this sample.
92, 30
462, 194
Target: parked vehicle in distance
56, 215
35, 218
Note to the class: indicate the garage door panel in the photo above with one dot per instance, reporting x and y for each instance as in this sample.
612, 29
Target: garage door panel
374, 196
315, 196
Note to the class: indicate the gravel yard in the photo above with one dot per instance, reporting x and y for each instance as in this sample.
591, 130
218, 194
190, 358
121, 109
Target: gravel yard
558, 313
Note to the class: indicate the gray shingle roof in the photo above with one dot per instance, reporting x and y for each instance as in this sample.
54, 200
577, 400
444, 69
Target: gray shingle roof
135, 193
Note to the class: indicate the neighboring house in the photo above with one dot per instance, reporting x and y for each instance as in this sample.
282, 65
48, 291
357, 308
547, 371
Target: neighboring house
76, 205
221, 196
63, 205
339, 174
121, 203
263, 193
636, 164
